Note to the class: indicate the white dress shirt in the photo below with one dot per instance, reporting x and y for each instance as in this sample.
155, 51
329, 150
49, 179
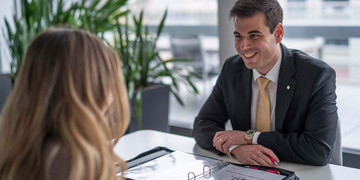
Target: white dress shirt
273, 76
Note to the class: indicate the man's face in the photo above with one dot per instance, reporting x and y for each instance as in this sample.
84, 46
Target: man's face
258, 48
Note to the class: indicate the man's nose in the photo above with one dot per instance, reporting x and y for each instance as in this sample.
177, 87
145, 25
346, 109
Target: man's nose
245, 44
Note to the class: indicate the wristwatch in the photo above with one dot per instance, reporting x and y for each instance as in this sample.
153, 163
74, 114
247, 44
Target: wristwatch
249, 136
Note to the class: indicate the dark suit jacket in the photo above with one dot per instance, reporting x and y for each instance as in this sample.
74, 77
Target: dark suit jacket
305, 115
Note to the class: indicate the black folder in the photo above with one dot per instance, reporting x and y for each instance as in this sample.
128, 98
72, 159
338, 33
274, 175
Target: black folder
163, 163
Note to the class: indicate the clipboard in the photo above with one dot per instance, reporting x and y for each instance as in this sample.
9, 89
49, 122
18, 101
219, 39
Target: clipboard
163, 163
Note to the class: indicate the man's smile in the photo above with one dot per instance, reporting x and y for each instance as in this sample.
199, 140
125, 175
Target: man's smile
249, 54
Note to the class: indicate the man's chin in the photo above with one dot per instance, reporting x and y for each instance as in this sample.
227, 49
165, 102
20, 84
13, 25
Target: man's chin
249, 65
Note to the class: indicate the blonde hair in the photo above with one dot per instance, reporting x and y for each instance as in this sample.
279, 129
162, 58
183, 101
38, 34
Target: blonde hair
61, 93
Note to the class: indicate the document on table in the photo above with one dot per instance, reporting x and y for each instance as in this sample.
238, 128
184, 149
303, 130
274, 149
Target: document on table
234, 172
180, 165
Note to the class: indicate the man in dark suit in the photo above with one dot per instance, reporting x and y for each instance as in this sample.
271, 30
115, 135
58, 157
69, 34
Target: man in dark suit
299, 119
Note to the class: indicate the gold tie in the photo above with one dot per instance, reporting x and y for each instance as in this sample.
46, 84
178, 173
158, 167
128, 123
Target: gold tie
263, 109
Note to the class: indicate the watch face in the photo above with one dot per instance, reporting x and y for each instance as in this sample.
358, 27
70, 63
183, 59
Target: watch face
250, 132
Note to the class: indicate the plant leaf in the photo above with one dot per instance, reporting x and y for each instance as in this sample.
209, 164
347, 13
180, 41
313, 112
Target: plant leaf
139, 109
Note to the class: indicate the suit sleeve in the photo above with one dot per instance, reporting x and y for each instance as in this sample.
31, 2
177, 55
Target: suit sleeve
212, 116
313, 144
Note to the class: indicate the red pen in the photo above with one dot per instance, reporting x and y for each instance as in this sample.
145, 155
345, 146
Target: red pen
264, 169
272, 160
273, 171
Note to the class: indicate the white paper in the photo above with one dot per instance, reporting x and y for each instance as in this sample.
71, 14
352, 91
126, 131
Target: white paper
233, 172
176, 165
180, 165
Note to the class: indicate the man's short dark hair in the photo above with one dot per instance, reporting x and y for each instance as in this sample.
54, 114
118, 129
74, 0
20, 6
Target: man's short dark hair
247, 8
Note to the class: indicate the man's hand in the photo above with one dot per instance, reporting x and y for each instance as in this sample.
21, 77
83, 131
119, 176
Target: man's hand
224, 139
255, 155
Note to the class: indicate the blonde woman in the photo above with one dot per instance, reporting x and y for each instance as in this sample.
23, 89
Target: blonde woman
68, 108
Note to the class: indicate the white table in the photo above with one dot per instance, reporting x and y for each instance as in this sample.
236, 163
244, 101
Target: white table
137, 142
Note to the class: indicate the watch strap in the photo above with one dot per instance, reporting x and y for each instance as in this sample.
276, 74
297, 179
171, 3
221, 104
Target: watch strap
249, 135
249, 140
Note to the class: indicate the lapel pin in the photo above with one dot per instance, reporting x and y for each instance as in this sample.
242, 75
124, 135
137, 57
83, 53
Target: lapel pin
287, 87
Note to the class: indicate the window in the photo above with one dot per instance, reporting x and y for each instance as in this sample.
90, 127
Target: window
181, 12
187, 22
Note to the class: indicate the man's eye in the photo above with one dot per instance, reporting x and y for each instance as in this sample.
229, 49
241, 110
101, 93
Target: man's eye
237, 36
254, 36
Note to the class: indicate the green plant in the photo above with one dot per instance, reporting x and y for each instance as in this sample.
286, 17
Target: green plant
98, 17
142, 64
37, 15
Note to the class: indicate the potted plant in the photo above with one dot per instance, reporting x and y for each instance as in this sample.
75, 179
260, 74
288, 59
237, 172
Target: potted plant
34, 16
145, 73
97, 17
38, 15
142, 65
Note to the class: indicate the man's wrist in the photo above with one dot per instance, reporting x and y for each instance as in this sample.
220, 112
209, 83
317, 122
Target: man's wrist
249, 135
255, 137
232, 148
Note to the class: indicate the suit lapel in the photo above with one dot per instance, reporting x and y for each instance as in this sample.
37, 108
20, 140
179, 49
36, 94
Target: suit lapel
286, 87
243, 99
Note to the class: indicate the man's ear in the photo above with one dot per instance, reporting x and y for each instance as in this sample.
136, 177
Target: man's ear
279, 32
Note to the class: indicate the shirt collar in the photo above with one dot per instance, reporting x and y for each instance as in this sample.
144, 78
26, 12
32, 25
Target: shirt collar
273, 74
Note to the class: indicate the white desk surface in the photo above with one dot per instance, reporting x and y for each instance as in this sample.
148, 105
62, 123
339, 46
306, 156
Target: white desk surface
137, 142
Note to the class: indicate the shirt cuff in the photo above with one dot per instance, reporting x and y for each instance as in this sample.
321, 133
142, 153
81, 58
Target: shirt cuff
255, 138
231, 148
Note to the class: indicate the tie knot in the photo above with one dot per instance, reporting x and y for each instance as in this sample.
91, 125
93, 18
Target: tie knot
263, 82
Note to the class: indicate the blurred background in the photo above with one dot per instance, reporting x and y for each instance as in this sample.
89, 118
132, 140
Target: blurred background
201, 30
